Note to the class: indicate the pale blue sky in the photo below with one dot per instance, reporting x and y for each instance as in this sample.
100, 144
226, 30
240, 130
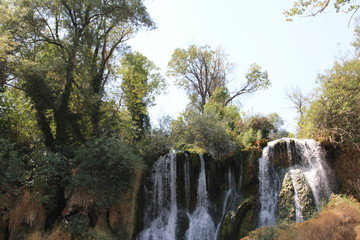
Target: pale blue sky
293, 53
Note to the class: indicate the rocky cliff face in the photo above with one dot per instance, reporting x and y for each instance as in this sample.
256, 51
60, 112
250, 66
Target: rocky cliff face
219, 200
233, 202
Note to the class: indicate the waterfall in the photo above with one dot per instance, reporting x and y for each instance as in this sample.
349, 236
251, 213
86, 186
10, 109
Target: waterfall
229, 199
161, 217
299, 216
304, 163
201, 223
173, 213
269, 187
187, 180
315, 171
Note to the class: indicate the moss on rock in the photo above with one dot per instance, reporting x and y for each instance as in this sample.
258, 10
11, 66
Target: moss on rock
286, 206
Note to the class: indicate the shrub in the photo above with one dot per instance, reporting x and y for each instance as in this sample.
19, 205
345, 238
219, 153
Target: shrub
49, 174
11, 171
249, 137
105, 168
335, 111
155, 143
77, 226
202, 131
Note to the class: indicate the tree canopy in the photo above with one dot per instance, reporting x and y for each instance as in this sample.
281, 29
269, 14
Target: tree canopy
64, 52
334, 112
201, 70
141, 82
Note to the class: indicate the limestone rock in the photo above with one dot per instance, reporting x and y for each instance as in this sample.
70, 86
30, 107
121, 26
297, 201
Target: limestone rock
286, 206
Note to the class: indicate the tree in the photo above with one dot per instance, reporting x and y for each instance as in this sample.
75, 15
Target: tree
298, 99
65, 53
268, 125
140, 84
315, 7
202, 132
335, 112
201, 70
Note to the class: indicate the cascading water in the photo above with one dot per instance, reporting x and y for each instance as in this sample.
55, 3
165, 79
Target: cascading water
304, 160
161, 217
269, 188
299, 216
201, 223
173, 217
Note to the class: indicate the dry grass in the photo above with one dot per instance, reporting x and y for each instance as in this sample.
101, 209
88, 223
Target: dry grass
28, 211
336, 223
57, 234
339, 221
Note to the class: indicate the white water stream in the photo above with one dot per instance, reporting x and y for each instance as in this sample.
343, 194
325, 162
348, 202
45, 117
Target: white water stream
163, 203
312, 166
161, 217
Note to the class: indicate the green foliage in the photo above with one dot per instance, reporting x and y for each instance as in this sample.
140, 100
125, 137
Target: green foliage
77, 225
314, 7
101, 234
156, 141
17, 117
335, 111
248, 137
199, 132
49, 174
64, 53
117, 120
105, 168
201, 71
256, 78
11, 167
260, 126
140, 84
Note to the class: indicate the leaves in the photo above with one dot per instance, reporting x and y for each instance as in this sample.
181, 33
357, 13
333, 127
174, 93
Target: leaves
141, 82
314, 7
335, 111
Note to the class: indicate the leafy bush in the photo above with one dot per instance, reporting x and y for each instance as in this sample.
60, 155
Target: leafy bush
77, 226
249, 137
104, 167
335, 112
204, 131
155, 143
11, 171
49, 174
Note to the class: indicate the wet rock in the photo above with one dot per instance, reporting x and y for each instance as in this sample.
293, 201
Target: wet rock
285, 154
304, 194
239, 222
286, 205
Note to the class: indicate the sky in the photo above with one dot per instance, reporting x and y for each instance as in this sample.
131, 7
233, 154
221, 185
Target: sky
293, 53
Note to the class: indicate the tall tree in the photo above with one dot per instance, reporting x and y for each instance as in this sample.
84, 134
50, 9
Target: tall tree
201, 70
335, 112
65, 50
140, 83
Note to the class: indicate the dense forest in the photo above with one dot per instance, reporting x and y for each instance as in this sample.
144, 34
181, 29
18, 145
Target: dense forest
74, 113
